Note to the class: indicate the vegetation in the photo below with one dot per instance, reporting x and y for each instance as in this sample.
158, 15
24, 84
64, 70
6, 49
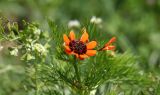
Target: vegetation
79, 47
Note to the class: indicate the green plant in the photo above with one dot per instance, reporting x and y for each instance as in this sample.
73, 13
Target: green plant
50, 71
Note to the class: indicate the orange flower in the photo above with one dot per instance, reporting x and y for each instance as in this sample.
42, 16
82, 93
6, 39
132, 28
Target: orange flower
81, 48
109, 46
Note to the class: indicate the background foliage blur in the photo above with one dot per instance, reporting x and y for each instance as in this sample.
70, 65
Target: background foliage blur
135, 23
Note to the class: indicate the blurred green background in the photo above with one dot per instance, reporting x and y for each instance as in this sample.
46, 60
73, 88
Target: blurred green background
135, 23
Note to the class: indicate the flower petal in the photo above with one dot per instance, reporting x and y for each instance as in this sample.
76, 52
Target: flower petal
72, 35
66, 39
84, 37
91, 52
83, 56
109, 48
113, 39
68, 52
67, 48
91, 45
75, 54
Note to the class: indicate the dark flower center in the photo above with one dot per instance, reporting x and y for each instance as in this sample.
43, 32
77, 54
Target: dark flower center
78, 47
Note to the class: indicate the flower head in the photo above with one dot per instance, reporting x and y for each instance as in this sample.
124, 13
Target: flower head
96, 20
37, 31
81, 48
109, 46
40, 48
73, 23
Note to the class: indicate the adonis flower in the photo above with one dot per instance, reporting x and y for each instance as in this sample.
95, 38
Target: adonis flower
109, 46
81, 48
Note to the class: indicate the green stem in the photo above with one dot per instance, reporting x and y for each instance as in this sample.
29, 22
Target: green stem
76, 70
36, 83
